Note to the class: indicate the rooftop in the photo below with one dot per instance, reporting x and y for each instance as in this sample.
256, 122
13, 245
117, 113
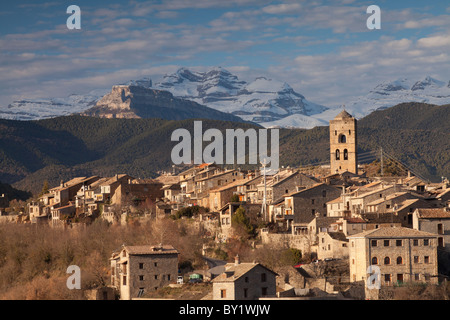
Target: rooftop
343, 114
148, 249
393, 232
440, 213
234, 271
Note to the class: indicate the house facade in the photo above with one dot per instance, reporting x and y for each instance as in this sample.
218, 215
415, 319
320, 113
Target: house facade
136, 270
244, 281
402, 254
436, 221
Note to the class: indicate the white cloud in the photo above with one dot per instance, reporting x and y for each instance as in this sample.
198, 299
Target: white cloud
434, 41
291, 8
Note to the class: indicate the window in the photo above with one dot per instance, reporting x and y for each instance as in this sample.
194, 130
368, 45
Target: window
264, 291
338, 156
245, 292
387, 278
345, 154
426, 259
415, 242
416, 259
399, 260
387, 260
400, 277
124, 282
416, 277
223, 293
156, 277
440, 242
427, 277
246, 279
313, 211
141, 278
426, 242
374, 260
440, 228
156, 264
386, 243
312, 201
141, 266
263, 277
374, 243
342, 138
168, 277
324, 193
398, 243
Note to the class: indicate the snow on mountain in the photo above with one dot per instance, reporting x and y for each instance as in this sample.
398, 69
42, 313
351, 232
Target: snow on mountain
391, 93
259, 101
36, 109
268, 102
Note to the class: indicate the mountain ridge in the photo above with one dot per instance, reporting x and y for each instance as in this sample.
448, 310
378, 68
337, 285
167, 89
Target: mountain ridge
64, 147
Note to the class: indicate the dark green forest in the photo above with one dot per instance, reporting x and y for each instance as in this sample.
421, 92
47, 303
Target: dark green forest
61, 148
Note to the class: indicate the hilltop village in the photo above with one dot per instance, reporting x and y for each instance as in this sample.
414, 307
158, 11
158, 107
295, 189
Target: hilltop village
336, 219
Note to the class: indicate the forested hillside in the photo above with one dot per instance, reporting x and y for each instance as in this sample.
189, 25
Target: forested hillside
64, 147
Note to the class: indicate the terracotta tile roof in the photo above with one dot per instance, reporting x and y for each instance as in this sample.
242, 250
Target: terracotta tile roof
147, 249
433, 213
234, 272
392, 232
340, 236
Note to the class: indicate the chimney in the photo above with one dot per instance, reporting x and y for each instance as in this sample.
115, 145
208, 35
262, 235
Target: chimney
237, 260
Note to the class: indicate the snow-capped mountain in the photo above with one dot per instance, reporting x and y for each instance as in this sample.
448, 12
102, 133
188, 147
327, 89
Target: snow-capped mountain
261, 100
36, 109
268, 102
391, 93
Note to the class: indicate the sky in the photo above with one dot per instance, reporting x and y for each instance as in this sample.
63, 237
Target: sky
323, 49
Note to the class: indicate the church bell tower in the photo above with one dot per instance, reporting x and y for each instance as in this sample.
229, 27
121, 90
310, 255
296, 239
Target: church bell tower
343, 144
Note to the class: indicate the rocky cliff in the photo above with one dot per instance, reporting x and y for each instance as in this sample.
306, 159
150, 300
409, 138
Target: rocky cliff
129, 101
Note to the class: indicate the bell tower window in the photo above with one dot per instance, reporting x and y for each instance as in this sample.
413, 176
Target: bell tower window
338, 155
342, 138
345, 154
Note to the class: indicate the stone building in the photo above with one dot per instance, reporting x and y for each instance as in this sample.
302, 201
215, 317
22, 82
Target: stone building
343, 144
402, 254
436, 221
302, 206
284, 182
139, 269
332, 245
244, 281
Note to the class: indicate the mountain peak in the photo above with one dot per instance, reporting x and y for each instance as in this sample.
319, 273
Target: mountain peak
260, 101
427, 82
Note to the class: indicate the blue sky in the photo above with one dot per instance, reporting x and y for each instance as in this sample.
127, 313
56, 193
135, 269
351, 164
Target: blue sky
323, 49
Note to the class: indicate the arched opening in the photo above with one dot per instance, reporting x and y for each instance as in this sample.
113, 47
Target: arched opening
374, 260
342, 138
338, 155
399, 260
345, 154
387, 260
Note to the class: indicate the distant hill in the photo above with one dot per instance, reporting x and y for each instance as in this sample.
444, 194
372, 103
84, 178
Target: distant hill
64, 147
12, 193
